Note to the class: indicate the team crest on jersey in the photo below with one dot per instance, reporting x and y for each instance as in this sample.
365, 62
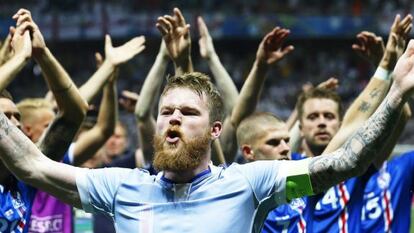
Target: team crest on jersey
384, 180
297, 203
18, 202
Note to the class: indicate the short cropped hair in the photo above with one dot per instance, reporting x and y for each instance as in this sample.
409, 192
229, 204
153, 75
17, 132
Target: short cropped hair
201, 84
28, 107
318, 93
253, 127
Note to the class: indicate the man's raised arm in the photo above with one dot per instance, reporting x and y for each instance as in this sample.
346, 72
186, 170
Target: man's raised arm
357, 153
176, 35
26, 162
373, 94
72, 108
147, 101
269, 52
114, 57
222, 78
22, 50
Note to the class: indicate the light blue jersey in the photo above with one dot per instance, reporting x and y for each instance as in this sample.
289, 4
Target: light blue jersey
217, 200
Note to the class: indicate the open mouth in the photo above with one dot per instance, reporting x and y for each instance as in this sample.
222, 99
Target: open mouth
173, 136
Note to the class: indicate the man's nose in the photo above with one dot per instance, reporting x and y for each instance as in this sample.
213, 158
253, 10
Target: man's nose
285, 148
176, 117
321, 122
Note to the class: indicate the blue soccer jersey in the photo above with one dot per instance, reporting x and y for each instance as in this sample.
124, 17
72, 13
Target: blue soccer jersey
287, 218
16, 204
388, 195
338, 209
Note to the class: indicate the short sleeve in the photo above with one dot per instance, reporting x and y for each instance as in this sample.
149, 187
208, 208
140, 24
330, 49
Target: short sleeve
97, 187
265, 179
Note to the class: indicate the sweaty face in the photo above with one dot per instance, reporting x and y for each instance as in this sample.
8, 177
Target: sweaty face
10, 110
320, 121
183, 131
273, 145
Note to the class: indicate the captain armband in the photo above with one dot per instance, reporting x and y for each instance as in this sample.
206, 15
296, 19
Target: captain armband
298, 183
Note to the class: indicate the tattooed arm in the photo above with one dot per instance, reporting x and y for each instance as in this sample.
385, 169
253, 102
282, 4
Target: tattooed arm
26, 161
354, 157
373, 94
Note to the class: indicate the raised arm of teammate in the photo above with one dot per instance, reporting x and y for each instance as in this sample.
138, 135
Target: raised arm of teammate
373, 94
269, 52
148, 99
72, 108
22, 51
176, 35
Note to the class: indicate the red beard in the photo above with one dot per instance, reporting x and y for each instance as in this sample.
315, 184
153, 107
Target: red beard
187, 155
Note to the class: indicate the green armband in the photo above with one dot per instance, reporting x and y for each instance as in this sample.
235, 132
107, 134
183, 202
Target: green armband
298, 183
298, 186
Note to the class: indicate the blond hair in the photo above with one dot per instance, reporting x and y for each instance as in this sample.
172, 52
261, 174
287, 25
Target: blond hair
253, 127
30, 106
201, 84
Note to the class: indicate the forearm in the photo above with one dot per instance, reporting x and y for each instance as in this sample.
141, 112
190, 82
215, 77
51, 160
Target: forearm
224, 82
151, 88
392, 139
358, 152
70, 103
249, 94
295, 138
183, 66
146, 131
108, 111
91, 88
228, 141
10, 69
359, 111
217, 156
92, 140
27, 163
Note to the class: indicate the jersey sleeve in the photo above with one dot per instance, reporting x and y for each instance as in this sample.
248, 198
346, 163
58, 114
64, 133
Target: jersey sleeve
283, 180
265, 179
97, 187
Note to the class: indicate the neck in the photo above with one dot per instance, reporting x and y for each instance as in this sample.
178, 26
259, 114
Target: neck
185, 176
312, 150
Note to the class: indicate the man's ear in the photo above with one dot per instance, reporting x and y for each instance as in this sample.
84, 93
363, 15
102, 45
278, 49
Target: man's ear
216, 129
27, 130
247, 152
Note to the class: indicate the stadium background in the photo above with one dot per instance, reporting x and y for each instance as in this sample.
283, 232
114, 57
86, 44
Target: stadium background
322, 32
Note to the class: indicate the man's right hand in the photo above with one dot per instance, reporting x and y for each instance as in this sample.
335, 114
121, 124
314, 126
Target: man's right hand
270, 49
176, 34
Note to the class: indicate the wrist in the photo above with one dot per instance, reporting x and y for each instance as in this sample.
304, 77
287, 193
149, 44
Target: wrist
382, 74
261, 65
388, 61
40, 53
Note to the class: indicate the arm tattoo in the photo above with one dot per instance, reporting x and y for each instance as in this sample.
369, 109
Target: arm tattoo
374, 93
357, 153
58, 138
364, 107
